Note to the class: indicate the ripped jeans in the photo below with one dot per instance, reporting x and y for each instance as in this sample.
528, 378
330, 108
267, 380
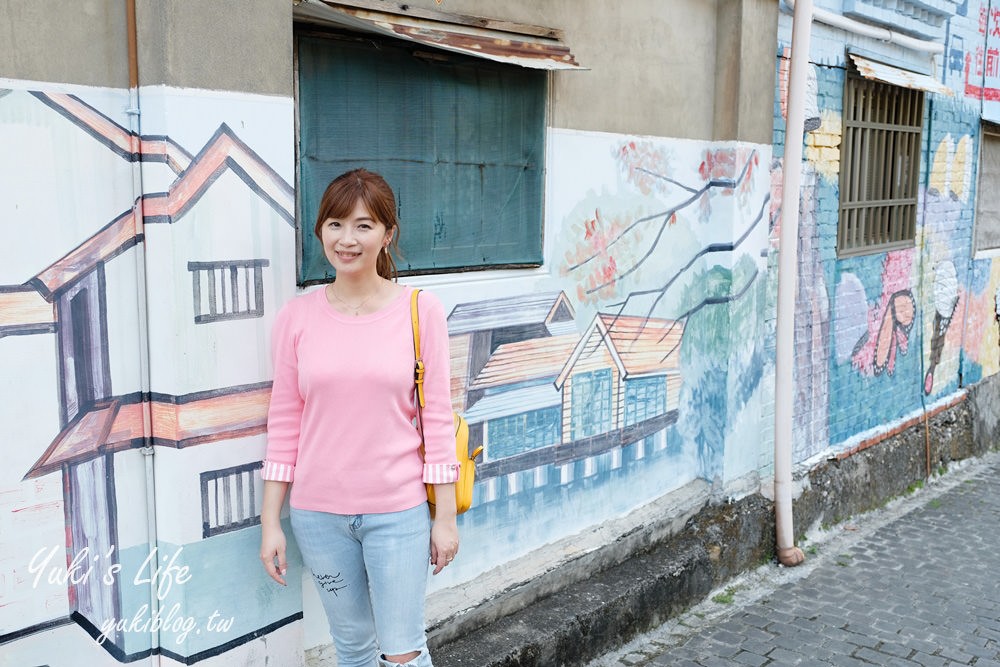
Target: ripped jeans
371, 574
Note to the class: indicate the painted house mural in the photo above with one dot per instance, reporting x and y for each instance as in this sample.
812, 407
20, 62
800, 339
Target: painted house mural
208, 267
564, 384
589, 390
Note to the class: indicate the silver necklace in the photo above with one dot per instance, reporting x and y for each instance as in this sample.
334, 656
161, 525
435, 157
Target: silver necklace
357, 308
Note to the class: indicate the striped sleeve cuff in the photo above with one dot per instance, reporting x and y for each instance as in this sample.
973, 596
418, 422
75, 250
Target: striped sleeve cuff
277, 472
440, 473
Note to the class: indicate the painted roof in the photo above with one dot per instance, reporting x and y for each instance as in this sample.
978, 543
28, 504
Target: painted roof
24, 310
195, 419
645, 345
224, 151
521, 310
514, 402
639, 345
526, 360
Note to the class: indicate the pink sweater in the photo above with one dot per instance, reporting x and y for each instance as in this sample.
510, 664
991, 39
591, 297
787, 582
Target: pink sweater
340, 424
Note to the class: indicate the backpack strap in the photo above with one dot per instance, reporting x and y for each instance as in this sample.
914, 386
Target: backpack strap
418, 367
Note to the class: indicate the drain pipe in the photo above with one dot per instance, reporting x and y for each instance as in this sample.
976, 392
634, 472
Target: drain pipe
788, 240
803, 14
875, 32
142, 299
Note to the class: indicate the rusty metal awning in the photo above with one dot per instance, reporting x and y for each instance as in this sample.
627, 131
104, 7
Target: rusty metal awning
536, 47
871, 69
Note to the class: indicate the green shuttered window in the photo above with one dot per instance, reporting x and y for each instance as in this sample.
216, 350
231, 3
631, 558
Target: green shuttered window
460, 140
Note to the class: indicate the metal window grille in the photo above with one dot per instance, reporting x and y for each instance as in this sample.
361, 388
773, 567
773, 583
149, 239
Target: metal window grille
229, 499
879, 166
228, 290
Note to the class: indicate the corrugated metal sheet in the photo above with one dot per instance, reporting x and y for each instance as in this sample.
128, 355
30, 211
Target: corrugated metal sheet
537, 48
871, 69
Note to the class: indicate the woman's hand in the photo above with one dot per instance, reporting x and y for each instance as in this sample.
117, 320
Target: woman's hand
272, 552
444, 541
272, 537
444, 531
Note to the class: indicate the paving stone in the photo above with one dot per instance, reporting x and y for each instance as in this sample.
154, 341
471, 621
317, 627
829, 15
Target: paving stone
666, 660
715, 662
758, 647
848, 661
917, 590
782, 656
899, 662
987, 663
869, 655
925, 660
745, 658
898, 650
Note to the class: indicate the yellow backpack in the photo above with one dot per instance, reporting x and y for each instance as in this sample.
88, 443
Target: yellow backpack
466, 461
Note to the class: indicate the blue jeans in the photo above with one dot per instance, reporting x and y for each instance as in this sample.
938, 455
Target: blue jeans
371, 574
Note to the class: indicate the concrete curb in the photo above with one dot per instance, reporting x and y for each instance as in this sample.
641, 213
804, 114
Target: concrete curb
587, 618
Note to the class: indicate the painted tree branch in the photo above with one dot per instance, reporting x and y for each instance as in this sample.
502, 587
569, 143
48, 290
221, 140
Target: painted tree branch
727, 183
661, 291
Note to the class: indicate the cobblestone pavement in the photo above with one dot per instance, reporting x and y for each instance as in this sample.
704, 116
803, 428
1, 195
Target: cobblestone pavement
914, 583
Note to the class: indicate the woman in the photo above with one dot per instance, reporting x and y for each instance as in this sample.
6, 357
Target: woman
341, 434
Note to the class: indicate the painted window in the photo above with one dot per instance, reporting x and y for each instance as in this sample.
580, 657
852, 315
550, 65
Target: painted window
645, 398
524, 432
459, 139
229, 499
987, 227
879, 166
228, 290
592, 413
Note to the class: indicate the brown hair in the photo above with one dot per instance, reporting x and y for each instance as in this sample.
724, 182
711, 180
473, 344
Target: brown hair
371, 189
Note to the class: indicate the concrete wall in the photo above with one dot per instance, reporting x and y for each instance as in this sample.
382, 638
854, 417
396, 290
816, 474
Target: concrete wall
65, 42
744, 33
684, 68
105, 212
211, 163
240, 45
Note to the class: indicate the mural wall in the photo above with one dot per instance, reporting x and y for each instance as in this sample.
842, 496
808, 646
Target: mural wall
886, 335
137, 299
138, 281
636, 364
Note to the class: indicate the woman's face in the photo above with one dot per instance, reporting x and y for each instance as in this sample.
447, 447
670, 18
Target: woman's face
352, 243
